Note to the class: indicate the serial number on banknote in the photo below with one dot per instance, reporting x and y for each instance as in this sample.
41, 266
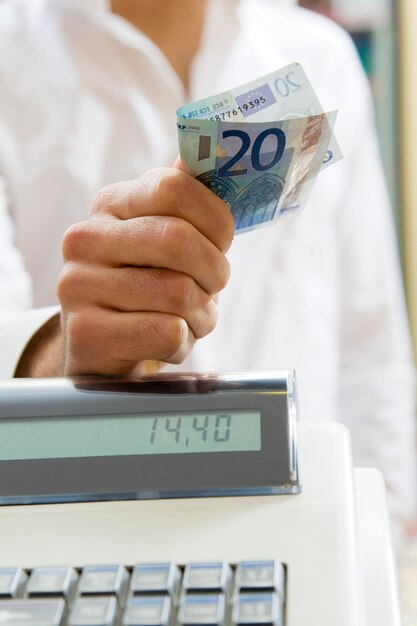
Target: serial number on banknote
252, 104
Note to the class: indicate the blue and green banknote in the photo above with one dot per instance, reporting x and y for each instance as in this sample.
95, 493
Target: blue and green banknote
260, 146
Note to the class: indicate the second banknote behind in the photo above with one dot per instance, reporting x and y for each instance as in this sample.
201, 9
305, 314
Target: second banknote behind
259, 146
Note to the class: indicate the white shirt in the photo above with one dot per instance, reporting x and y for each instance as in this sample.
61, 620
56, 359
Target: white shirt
87, 100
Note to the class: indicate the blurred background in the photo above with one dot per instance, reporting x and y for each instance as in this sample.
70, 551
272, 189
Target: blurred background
384, 32
373, 25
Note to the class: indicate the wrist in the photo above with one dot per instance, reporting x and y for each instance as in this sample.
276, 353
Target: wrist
43, 354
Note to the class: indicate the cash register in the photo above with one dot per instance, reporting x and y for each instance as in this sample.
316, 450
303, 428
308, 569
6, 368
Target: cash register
185, 500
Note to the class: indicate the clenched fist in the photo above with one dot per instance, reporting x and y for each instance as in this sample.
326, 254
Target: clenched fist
141, 274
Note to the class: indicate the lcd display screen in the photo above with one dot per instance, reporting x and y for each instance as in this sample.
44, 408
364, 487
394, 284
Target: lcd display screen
130, 434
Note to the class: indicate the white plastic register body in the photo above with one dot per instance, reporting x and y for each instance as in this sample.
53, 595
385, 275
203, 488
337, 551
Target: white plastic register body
333, 537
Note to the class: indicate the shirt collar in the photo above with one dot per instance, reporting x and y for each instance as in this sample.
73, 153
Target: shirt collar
92, 6
87, 6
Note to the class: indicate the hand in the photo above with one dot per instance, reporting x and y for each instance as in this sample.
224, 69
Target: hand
140, 275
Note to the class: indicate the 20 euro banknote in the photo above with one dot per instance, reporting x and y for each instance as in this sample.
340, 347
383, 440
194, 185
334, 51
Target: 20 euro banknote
259, 146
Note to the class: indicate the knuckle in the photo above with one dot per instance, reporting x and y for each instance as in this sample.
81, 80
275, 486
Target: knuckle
192, 303
223, 233
75, 240
77, 285
70, 284
228, 230
170, 184
181, 292
227, 270
206, 318
211, 315
106, 199
175, 333
79, 330
223, 271
178, 238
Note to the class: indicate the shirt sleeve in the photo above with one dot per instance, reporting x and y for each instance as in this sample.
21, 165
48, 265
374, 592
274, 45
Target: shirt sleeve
15, 332
377, 384
15, 284
17, 321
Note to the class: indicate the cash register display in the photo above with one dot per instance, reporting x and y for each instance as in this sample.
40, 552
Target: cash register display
113, 435
191, 435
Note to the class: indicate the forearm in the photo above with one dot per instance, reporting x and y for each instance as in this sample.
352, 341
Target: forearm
43, 355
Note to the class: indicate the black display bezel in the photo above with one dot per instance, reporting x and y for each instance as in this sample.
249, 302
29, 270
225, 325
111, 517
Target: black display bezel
270, 470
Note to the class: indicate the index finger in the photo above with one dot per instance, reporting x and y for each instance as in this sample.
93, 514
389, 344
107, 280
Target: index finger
169, 192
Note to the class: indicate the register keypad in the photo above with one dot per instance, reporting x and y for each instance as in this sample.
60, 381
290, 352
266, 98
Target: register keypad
12, 582
104, 580
249, 593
